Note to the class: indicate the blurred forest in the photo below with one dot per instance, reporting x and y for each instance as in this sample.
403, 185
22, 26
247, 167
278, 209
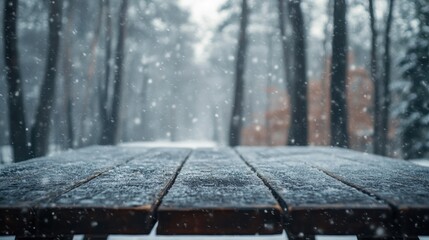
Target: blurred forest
299, 72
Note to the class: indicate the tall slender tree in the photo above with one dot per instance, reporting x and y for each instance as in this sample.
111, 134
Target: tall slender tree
87, 107
269, 85
299, 124
384, 121
374, 78
238, 104
117, 82
339, 126
17, 122
41, 127
281, 7
285, 46
67, 74
104, 84
112, 129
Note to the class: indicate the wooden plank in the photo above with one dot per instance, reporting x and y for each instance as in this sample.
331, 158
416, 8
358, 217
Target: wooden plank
23, 186
399, 166
314, 202
216, 193
120, 201
407, 194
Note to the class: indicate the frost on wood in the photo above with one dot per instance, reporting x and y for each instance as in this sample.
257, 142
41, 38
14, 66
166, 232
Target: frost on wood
122, 199
314, 202
216, 192
399, 183
23, 184
396, 165
408, 194
137, 183
24, 187
77, 187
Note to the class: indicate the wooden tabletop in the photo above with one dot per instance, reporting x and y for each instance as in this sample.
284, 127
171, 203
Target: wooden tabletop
248, 190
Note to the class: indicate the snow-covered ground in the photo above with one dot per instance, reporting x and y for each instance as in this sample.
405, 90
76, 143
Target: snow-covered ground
421, 162
5, 155
181, 144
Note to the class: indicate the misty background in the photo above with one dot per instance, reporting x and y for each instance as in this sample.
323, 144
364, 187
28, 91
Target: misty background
224, 72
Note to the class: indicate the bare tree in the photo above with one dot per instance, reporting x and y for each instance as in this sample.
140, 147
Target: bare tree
111, 131
384, 121
237, 106
17, 123
270, 79
375, 80
67, 73
339, 126
104, 85
298, 96
40, 129
285, 49
87, 105
285, 46
117, 82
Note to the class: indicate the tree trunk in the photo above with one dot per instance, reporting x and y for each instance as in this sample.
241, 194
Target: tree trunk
384, 121
299, 124
238, 104
87, 113
40, 129
141, 108
17, 123
285, 51
269, 86
285, 45
67, 71
375, 80
114, 123
339, 128
326, 63
104, 85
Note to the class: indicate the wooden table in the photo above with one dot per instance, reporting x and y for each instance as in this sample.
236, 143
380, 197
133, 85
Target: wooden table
306, 191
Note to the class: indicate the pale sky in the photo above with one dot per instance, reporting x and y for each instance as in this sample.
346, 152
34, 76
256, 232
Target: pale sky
205, 14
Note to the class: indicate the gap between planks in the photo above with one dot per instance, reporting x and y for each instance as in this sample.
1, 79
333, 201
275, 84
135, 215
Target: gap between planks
397, 220
284, 204
272, 190
164, 191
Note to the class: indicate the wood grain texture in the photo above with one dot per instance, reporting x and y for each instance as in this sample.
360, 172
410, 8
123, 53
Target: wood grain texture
27, 185
401, 184
399, 166
120, 201
317, 190
216, 193
314, 202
